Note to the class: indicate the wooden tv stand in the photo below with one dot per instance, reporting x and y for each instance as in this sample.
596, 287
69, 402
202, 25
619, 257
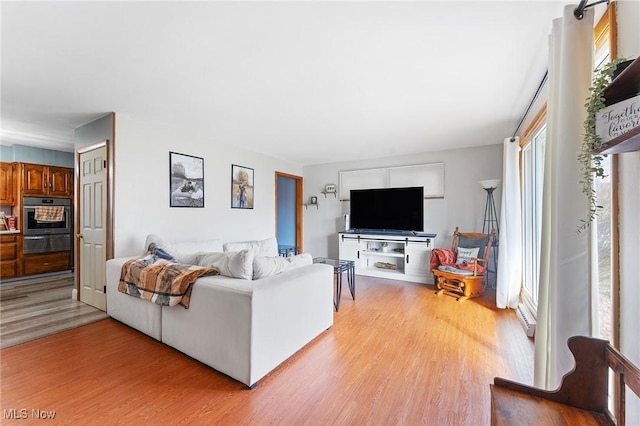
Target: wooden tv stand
401, 256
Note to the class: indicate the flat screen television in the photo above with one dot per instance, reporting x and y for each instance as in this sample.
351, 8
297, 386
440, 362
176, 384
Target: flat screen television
387, 209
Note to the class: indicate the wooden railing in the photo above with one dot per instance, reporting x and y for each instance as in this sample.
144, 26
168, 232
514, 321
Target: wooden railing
582, 397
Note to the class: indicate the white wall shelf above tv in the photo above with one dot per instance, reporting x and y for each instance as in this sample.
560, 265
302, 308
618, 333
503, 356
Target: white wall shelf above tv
402, 256
429, 176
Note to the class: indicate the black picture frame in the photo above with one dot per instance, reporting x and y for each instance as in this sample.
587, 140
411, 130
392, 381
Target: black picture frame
186, 180
242, 187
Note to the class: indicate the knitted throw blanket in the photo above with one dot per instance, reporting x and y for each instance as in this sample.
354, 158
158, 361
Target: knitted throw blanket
161, 282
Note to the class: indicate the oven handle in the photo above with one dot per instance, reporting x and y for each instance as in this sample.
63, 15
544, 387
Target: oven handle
48, 236
36, 237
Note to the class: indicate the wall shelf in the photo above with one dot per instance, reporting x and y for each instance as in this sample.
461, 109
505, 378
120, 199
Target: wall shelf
309, 204
625, 86
628, 142
325, 193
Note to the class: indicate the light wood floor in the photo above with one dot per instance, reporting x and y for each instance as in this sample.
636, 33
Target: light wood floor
398, 355
40, 306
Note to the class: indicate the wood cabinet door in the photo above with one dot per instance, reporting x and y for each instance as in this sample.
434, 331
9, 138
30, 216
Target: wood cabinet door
8, 256
60, 181
34, 179
7, 192
8, 268
43, 263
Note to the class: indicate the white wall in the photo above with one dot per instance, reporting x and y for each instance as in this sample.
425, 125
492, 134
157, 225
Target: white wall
142, 188
463, 203
141, 193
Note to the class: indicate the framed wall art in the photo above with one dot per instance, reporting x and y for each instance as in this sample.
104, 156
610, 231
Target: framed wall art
186, 182
241, 187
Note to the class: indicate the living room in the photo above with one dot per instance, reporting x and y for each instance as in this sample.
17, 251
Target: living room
141, 143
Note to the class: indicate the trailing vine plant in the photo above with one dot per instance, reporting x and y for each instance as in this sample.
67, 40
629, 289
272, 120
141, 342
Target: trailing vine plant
590, 163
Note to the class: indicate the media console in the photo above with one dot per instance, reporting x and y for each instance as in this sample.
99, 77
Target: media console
401, 256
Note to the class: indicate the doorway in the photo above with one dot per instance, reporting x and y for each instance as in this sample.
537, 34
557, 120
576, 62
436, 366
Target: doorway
289, 210
92, 224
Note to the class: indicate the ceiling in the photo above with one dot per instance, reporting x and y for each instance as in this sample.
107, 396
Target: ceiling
308, 82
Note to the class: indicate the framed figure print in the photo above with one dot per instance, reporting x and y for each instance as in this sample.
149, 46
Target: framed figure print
241, 187
186, 184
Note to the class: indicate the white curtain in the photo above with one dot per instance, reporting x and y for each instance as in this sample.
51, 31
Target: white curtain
564, 300
510, 259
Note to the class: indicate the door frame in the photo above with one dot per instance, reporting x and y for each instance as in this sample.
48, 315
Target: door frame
78, 203
299, 226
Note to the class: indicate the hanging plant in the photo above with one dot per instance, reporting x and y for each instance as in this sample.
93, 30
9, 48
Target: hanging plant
590, 163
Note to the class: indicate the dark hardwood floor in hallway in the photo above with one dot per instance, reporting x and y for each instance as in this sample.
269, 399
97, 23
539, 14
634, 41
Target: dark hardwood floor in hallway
36, 307
398, 355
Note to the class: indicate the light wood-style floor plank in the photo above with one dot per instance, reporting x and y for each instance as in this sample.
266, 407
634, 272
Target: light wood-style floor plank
398, 355
37, 307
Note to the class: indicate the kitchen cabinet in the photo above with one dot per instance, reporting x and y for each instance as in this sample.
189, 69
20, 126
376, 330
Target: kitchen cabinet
41, 180
7, 187
8, 256
42, 263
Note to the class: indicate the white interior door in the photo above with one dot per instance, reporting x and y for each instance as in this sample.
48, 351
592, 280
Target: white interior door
92, 233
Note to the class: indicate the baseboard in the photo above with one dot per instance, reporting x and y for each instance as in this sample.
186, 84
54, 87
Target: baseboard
526, 319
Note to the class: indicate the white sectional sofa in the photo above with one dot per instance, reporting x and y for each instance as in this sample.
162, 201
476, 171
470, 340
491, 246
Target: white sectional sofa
243, 328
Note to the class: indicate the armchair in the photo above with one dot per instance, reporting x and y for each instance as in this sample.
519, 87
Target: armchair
461, 272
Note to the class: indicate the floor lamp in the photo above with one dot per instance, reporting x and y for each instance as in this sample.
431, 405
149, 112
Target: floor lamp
491, 220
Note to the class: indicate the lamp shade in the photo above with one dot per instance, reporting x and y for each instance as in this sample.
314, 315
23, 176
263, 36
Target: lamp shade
490, 183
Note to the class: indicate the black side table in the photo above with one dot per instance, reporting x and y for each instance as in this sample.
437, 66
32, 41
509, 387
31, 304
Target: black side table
340, 266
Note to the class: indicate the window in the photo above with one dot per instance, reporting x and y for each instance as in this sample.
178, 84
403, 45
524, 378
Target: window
603, 228
532, 169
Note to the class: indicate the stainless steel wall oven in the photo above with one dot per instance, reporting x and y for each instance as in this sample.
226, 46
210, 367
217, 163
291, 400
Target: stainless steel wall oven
49, 234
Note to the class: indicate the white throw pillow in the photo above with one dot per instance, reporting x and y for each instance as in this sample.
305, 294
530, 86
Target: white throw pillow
266, 247
466, 254
265, 266
234, 264
186, 257
302, 259
200, 246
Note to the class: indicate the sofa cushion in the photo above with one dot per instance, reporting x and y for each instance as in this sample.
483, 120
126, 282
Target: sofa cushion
234, 264
186, 252
266, 247
199, 246
265, 266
